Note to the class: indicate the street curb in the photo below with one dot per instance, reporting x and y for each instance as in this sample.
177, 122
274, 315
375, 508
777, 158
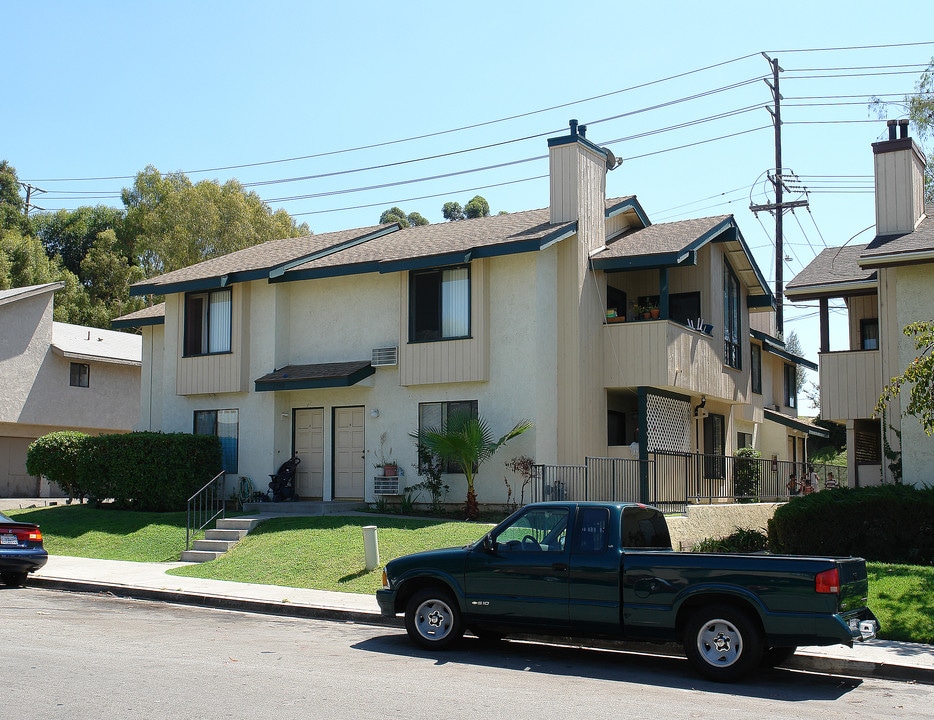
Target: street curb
801, 661
221, 602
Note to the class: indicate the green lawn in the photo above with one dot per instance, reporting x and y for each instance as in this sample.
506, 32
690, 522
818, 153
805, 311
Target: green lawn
326, 553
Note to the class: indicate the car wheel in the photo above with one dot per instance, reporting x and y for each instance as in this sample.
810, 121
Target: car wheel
775, 656
722, 643
13, 579
433, 619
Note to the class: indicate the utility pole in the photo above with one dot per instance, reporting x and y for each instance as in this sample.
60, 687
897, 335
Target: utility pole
29, 190
779, 206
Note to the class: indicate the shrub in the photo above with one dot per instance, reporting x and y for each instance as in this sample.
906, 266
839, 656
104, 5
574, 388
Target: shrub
740, 541
746, 471
148, 471
887, 523
56, 456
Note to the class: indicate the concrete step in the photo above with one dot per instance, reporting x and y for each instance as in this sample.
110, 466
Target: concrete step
308, 508
238, 523
223, 534
218, 546
199, 556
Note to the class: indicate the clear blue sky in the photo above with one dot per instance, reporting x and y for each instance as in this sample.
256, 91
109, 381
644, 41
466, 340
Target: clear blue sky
102, 89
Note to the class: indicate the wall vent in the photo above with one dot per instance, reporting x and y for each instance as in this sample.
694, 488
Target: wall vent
385, 356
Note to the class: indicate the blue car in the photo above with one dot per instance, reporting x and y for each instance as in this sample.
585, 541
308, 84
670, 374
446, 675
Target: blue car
21, 550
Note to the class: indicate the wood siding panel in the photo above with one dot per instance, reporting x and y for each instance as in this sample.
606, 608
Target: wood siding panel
850, 384
215, 373
450, 361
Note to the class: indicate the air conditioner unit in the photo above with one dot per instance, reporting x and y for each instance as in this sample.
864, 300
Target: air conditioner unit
385, 356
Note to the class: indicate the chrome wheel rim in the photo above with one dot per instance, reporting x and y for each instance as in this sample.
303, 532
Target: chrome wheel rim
719, 643
434, 619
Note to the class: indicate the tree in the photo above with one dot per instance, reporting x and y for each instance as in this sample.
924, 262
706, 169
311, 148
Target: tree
920, 110
395, 214
175, 223
477, 207
793, 345
11, 203
452, 212
71, 233
919, 375
466, 440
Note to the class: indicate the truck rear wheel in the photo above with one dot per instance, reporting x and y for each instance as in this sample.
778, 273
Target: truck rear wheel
723, 643
433, 619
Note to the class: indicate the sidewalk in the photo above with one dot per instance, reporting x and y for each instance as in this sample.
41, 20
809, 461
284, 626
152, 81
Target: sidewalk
148, 581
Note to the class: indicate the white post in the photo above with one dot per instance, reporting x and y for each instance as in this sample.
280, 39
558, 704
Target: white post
370, 547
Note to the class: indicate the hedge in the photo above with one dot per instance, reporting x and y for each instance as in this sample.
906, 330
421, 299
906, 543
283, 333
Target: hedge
56, 456
887, 523
149, 471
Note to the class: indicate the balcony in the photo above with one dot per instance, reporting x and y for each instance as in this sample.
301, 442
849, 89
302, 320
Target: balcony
665, 354
850, 384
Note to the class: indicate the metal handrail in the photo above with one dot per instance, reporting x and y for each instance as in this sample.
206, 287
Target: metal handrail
209, 499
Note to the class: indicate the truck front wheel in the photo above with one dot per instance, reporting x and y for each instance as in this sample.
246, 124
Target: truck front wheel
722, 643
433, 619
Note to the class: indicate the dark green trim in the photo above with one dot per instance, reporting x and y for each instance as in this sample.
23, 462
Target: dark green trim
760, 301
340, 247
777, 347
637, 262
643, 396
143, 322
796, 424
328, 272
569, 139
630, 204
314, 383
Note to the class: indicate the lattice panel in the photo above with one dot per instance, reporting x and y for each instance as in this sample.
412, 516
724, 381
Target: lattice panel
669, 424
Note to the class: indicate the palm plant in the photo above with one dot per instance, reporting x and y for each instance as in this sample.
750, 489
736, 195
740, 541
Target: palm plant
466, 440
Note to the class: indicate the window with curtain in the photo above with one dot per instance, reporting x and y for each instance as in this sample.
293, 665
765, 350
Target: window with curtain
208, 322
732, 319
80, 375
439, 304
225, 424
869, 334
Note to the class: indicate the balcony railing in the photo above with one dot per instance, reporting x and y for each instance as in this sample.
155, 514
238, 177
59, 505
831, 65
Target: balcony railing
662, 353
850, 384
671, 481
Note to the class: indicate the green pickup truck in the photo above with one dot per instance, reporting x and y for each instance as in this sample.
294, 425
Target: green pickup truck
607, 570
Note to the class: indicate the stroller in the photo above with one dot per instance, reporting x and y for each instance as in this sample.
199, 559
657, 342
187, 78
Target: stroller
282, 483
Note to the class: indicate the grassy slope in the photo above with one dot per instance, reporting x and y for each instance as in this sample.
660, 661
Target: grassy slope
327, 554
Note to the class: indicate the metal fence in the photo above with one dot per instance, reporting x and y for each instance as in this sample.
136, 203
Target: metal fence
671, 481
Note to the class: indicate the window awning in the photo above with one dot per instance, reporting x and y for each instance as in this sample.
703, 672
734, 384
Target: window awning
796, 424
321, 375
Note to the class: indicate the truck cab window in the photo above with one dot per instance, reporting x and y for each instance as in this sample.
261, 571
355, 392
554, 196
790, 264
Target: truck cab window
592, 526
536, 530
645, 528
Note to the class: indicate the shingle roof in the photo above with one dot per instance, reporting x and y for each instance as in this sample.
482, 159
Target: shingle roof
153, 315
77, 341
830, 271
20, 293
262, 257
921, 240
662, 238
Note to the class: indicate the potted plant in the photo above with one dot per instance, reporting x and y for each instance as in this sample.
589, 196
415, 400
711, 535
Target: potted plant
654, 312
389, 466
645, 311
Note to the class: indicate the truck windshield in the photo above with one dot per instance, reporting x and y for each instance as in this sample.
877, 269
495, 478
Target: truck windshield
645, 528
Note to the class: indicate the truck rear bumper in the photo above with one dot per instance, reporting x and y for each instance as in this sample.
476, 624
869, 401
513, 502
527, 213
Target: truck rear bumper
861, 624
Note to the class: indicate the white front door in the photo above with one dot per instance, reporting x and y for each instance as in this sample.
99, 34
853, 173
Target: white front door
309, 447
349, 452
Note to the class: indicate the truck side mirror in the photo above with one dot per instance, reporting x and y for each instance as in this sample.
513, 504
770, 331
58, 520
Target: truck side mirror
488, 545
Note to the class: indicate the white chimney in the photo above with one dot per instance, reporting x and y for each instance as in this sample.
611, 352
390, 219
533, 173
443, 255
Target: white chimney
899, 172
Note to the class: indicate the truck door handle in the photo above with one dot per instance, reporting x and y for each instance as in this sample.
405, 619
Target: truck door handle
560, 567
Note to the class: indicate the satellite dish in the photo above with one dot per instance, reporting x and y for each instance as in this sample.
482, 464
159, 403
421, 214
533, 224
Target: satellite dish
612, 162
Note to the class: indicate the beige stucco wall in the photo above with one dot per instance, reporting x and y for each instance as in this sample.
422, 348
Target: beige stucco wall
914, 300
716, 521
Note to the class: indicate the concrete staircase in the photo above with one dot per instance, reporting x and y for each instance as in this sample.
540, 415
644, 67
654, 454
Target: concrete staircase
225, 535
230, 531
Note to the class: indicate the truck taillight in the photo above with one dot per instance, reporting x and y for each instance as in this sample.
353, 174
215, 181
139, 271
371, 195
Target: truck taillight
828, 581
